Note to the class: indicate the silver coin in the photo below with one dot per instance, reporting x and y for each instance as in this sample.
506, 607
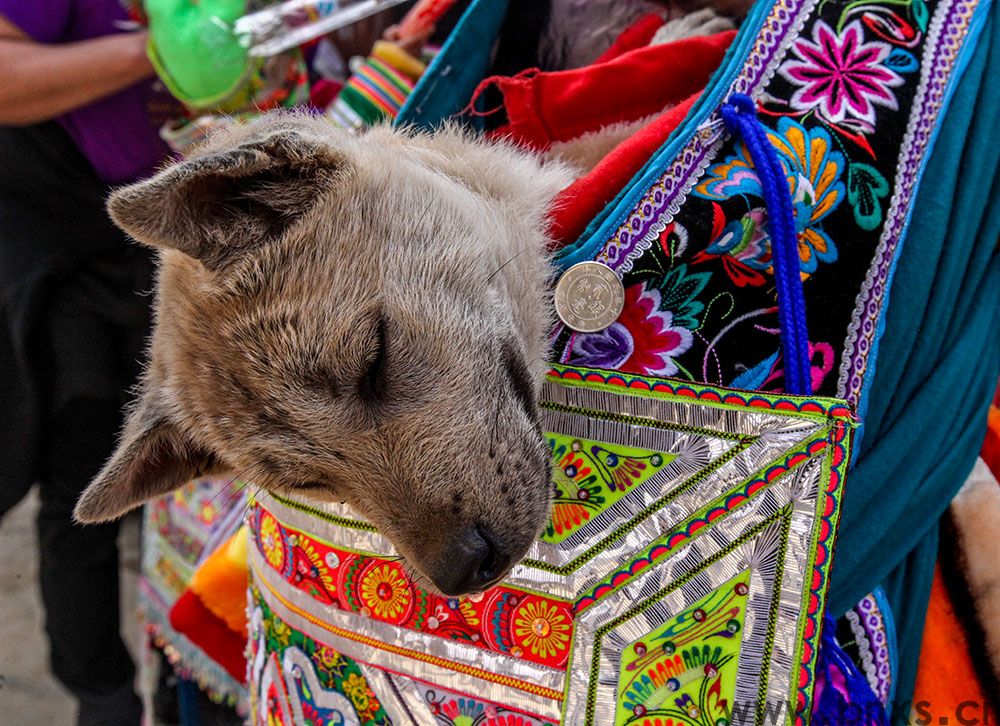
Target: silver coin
589, 297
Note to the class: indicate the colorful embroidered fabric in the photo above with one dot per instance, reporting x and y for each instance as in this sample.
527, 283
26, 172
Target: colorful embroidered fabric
850, 93
375, 92
211, 612
682, 578
842, 695
702, 226
866, 634
180, 531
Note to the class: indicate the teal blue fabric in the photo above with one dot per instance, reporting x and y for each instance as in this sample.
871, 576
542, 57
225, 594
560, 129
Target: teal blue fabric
447, 85
937, 364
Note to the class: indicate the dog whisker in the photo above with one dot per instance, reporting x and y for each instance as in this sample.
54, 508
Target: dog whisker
511, 259
232, 496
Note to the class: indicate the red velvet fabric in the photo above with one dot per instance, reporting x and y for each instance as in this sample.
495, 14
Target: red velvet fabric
625, 85
190, 617
562, 105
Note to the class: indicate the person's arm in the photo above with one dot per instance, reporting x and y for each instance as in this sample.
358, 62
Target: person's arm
40, 81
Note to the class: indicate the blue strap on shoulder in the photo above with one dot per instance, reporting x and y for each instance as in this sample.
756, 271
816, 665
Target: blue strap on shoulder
740, 116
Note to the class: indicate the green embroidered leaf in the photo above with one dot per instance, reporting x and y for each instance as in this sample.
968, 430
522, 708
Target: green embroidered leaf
920, 13
679, 292
865, 188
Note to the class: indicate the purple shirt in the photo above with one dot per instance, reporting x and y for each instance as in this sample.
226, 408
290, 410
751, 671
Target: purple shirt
119, 134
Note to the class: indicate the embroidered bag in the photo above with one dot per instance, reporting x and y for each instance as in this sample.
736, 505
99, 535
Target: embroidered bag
682, 577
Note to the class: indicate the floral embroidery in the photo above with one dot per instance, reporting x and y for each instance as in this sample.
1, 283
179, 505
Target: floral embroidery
385, 592
589, 476
542, 628
328, 657
813, 169
281, 632
643, 340
841, 76
866, 187
310, 568
318, 679
356, 688
270, 539
462, 710
743, 246
844, 102
679, 290
380, 589
453, 709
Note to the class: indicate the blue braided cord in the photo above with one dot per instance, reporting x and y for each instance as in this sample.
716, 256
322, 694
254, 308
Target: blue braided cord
740, 116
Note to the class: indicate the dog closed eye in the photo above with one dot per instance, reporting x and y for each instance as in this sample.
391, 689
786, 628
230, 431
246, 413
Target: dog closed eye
520, 379
371, 386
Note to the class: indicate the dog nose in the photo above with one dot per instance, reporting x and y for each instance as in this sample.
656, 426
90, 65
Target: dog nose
477, 559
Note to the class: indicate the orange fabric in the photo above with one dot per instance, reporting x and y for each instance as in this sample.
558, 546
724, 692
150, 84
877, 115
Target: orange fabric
945, 677
220, 582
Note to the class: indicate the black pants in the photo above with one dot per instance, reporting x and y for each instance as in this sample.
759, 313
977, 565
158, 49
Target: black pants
93, 333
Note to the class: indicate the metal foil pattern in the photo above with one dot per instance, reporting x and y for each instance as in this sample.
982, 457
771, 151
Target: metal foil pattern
747, 485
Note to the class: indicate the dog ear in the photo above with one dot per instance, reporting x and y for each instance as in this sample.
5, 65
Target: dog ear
219, 205
153, 457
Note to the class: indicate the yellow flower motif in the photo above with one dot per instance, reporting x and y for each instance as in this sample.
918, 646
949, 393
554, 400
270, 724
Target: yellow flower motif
356, 688
316, 561
270, 539
328, 657
542, 628
385, 592
282, 631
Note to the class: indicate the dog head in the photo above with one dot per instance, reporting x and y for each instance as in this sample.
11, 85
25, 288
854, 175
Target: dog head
357, 319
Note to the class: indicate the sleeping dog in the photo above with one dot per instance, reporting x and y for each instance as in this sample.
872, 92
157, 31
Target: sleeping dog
350, 318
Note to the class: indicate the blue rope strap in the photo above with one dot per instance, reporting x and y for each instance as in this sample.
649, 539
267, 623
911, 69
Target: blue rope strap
740, 116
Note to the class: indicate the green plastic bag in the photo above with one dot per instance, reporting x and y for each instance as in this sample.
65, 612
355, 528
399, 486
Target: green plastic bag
195, 51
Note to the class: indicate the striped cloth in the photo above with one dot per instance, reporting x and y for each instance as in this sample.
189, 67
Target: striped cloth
375, 92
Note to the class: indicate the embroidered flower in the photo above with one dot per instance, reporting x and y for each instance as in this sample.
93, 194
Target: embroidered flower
743, 246
462, 711
542, 628
509, 719
385, 592
271, 542
356, 688
841, 76
644, 339
813, 169
680, 290
281, 632
577, 488
311, 569
328, 658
